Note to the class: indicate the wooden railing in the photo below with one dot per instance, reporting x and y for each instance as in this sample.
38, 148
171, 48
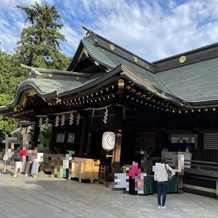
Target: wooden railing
202, 178
206, 155
203, 168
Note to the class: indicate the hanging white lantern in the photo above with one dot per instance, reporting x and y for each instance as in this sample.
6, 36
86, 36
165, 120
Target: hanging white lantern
46, 120
108, 140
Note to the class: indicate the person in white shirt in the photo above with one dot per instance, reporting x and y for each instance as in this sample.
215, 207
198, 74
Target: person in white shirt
6, 159
162, 182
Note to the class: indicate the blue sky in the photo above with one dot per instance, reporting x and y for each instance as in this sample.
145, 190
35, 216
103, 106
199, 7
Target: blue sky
152, 29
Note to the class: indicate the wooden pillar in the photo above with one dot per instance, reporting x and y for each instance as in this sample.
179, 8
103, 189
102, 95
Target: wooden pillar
84, 137
159, 142
88, 142
53, 138
217, 188
117, 152
24, 136
36, 134
200, 146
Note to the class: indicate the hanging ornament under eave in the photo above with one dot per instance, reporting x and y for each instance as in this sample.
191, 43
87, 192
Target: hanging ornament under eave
46, 120
71, 118
108, 140
105, 116
40, 121
56, 120
62, 119
78, 119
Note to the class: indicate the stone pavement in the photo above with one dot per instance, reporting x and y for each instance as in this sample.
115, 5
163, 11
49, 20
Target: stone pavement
47, 197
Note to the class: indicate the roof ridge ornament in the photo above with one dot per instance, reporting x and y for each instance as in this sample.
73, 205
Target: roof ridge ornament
49, 72
33, 70
90, 34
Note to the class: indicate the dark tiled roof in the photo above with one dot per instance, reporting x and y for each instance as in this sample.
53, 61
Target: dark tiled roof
46, 86
112, 60
196, 82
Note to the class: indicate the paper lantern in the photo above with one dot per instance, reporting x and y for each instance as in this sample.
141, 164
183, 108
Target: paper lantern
108, 140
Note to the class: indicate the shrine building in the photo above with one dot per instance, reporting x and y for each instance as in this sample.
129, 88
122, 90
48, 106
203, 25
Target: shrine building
170, 105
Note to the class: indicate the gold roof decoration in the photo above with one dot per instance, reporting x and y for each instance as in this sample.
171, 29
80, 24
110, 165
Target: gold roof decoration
112, 47
58, 100
30, 93
86, 53
96, 63
182, 59
135, 59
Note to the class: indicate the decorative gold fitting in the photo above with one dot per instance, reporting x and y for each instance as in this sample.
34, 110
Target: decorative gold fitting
112, 47
135, 59
58, 100
96, 63
121, 85
182, 59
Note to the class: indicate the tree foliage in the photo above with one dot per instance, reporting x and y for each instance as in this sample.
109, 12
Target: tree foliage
39, 45
10, 77
11, 74
45, 135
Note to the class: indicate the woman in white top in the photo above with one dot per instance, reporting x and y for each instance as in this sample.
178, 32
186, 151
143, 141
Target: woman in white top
162, 182
6, 159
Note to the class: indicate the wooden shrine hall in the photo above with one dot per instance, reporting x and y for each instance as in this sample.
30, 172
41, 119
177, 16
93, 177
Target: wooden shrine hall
167, 105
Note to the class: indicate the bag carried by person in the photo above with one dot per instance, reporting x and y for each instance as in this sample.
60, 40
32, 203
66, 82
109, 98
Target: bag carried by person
168, 173
5, 157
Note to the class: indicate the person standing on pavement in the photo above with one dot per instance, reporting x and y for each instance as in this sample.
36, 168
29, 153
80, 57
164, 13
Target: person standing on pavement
6, 159
35, 163
134, 171
18, 159
162, 183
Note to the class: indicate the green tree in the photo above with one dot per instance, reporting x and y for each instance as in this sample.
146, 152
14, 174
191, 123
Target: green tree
39, 45
45, 135
11, 74
10, 77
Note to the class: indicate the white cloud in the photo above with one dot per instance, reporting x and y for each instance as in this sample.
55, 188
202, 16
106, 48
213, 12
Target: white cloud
154, 32
73, 39
150, 29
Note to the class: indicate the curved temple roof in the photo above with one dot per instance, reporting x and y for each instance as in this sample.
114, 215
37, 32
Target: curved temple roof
186, 80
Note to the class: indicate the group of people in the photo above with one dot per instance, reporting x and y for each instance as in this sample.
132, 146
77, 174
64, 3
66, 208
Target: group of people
25, 161
161, 175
